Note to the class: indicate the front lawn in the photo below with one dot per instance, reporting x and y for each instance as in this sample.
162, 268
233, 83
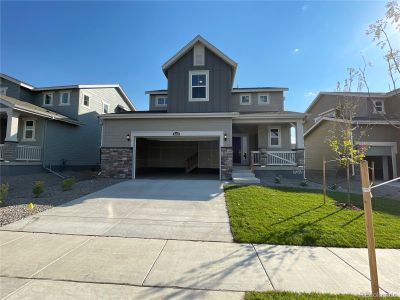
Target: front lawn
275, 295
293, 216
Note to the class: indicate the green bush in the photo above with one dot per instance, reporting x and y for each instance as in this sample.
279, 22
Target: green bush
304, 182
68, 183
3, 192
277, 179
38, 188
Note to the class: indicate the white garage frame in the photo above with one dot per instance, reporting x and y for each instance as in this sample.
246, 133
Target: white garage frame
174, 134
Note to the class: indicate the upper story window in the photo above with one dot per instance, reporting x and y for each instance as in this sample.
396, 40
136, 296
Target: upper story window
48, 99
263, 99
64, 98
29, 130
106, 108
274, 137
86, 101
245, 99
3, 90
198, 85
379, 107
161, 101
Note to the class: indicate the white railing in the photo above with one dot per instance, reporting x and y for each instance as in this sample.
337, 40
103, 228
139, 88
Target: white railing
29, 152
1, 151
255, 158
281, 158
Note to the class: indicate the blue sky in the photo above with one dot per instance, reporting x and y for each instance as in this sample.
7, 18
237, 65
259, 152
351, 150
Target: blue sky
305, 46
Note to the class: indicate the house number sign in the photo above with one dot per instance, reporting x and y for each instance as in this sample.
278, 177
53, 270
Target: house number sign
176, 133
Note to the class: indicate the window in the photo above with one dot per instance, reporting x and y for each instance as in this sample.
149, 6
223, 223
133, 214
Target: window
64, 98
29, 130
198, 55
245, 99
275, 137
3, 90
161, 101
86, 100
48, 99
198, 85
106, 108
379, 107
263, 99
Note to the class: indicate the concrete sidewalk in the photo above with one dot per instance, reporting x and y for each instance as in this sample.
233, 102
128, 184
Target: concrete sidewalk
37, 265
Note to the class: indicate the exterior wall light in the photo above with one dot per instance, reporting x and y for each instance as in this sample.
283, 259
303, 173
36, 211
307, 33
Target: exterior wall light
128, 137
225, 137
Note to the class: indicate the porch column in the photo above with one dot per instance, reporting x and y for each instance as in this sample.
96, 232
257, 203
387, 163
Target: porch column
299, 135
12, 126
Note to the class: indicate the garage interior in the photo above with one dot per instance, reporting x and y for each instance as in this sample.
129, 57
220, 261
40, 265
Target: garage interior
177, 158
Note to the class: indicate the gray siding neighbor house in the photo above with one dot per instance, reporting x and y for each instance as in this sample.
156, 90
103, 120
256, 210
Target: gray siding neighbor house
200, 123
377, 114
53, 127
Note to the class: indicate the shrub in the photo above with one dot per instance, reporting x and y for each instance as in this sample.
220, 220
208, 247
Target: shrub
277, 179
3, 192
333, 186
304, 182
38, 188
68, 183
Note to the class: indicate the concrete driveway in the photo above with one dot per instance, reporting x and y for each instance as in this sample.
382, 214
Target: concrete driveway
143, 208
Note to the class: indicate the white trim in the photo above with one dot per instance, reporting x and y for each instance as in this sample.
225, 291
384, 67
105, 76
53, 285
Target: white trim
165, 101
108, 107
258, 90
279, 137
383, 106
33, 129
83, 100
159, 92
207, 86
241, 98
264, 95
169, 115
69, 98
44, 99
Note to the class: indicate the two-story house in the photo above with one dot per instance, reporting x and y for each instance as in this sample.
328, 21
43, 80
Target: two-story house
201, 122
375, 114
53, 127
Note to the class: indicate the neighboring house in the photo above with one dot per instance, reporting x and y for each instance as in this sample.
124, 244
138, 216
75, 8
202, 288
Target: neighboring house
202, 123
378, 114
53, 126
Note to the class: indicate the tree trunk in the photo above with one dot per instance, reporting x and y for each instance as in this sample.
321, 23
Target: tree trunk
348, 185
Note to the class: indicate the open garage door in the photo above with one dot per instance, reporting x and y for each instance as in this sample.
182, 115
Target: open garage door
177, 157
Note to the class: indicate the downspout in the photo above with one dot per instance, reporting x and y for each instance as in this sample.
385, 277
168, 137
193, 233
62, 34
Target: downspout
44, 143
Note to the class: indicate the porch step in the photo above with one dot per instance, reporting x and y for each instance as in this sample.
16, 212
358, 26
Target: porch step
244, 177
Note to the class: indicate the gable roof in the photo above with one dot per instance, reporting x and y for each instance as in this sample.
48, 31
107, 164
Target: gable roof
74, 86
190, 45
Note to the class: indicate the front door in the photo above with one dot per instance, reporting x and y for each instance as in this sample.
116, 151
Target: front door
237, 149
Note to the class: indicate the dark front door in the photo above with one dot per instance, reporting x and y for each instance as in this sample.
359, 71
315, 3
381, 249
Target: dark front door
237, 149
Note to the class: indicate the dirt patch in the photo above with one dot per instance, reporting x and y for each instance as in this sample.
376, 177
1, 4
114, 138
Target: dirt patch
20, 193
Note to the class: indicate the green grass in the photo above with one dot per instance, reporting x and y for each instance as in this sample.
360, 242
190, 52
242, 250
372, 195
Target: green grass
293, 216
274, 295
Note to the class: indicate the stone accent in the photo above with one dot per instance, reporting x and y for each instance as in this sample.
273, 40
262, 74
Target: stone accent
300, 157
10, 151
263, 156
116, 162
226, 163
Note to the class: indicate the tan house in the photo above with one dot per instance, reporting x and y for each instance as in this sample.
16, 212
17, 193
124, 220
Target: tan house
376, 113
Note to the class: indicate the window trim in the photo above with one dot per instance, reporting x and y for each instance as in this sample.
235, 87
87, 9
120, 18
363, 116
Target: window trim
165, 101
279, 137
69, 98
264, 103
243, 95
83, 101
33, 139
383, 106
108, 104
44, 99
199, 72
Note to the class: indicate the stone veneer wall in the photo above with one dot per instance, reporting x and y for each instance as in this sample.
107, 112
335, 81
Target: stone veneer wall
226, 163
116, 162
10, 151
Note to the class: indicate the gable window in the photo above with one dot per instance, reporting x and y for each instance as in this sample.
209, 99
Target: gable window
245, 99
48, 99
198, 55
379, 107
29, 130
275, 137
86, 100
263, 99
106, 108
161, 101
3, 90
198, 85
64, 98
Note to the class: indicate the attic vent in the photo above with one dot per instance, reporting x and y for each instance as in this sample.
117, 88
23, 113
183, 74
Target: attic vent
198, 55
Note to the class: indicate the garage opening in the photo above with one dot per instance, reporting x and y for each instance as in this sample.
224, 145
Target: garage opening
192, 158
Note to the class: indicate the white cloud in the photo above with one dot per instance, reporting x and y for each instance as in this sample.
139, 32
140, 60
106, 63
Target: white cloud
305, 7
310, 95
296, 50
